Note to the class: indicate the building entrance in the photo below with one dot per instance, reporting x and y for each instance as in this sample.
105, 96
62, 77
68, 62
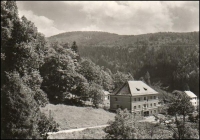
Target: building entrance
146, 113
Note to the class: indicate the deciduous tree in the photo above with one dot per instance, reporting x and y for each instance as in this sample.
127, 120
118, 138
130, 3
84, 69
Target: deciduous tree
123, 127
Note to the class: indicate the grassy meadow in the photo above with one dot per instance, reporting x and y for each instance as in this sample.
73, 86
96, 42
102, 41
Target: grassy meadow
70, 117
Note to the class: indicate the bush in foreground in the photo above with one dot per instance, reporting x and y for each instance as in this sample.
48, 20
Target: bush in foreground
123, 127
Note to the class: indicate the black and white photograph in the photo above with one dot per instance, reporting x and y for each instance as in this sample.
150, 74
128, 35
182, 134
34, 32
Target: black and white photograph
99, 69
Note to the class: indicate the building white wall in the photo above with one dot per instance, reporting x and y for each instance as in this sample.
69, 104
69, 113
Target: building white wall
193, 101
139, 103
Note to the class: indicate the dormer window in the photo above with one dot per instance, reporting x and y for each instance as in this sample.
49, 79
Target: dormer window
145, 89
137, 89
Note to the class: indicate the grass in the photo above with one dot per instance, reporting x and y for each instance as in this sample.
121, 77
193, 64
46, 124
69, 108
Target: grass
70, 117
96, 133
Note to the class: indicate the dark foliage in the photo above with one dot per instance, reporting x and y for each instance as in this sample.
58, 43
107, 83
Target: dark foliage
22, 53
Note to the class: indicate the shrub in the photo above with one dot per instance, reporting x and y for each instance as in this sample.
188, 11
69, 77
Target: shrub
96, 94
46, 125
123, 127
193, 117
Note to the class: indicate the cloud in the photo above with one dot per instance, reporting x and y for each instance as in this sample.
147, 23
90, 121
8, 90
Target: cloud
44, 24
122, 17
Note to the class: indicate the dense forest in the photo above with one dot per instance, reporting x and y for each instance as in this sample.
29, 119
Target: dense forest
169, 58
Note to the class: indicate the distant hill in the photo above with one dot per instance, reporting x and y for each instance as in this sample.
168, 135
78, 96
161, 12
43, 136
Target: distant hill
96, 38
169, 57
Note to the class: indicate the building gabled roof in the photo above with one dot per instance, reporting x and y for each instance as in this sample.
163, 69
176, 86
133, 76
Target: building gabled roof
118, 89
140, 88
136, 88
190, 94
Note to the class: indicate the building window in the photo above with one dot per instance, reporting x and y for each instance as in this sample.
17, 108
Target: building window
194, 102
154, 97
115, 99
154, 111
144, 98
137, 89
154, 104
150, 104
138, 99
138, 106
151, 112
108, 97
144, 105
134, 107
138, 112
134, 99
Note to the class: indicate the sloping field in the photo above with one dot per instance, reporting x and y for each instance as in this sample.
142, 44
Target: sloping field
69, 117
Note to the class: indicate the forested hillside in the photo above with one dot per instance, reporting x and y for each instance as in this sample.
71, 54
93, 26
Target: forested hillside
171, 58
97, 38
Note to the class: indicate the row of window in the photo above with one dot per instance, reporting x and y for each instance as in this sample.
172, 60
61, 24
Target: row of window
193, 98
145, 98
144, 105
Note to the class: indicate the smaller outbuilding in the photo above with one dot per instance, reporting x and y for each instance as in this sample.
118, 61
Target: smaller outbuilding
193, 97
106, 95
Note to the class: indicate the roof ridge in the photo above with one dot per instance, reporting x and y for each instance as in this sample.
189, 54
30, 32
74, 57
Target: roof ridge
139, 87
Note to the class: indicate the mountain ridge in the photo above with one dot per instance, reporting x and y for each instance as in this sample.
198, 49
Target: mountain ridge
99, 38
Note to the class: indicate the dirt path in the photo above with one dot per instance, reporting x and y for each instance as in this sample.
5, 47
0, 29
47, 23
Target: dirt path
73, 130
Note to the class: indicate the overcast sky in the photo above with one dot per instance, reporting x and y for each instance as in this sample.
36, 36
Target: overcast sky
125, 17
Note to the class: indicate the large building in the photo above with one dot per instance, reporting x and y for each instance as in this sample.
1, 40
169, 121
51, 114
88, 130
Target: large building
137, 97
